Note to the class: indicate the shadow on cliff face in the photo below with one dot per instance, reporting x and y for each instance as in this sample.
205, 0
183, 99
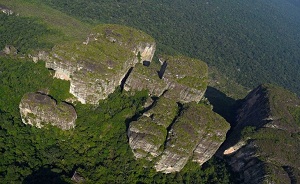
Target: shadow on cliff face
222, 104
45, 176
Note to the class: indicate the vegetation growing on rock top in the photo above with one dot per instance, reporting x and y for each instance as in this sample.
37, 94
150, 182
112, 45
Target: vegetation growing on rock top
273, 140
98, 148
39, 109
187, 71
196, 126
123, 35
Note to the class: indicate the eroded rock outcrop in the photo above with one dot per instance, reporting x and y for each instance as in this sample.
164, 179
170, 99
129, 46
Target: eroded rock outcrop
184, 78
38, 110
164, 132
98, 65
146, 78
267, 123
194, 133
197, 133
148, 133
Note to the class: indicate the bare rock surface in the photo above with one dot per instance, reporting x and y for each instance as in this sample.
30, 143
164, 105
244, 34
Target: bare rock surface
197, 133
38, 110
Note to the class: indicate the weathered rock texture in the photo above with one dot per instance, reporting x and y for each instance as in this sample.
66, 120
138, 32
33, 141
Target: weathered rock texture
184, 78
146, 78
98, 65
38, 110
197, 133
10, 50
267, 151
148, 133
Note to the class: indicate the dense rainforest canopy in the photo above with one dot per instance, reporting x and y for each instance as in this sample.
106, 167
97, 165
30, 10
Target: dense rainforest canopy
251, 42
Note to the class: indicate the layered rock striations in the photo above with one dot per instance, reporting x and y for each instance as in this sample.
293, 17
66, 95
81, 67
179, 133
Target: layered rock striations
196, 134
148, 133
38, 110
164, 131
98, 65
114, 56
268, 130
184, 78
173, 136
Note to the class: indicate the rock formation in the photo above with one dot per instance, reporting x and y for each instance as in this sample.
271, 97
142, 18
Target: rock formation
98, 65
184, 78
197, 133
194, 133
148, 133
267, 123
38, 110
164, 132
10, 50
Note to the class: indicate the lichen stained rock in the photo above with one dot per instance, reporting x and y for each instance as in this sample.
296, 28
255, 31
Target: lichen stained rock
197, 133
98, 65
148, 133
184, 78
38, 110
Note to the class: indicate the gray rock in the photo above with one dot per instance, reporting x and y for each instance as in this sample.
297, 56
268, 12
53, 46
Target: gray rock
197, 133
38, 110
96, 67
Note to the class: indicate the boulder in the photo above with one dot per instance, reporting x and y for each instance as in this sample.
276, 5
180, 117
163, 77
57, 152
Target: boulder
38, 110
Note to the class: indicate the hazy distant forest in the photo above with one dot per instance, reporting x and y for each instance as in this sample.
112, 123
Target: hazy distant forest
251, 42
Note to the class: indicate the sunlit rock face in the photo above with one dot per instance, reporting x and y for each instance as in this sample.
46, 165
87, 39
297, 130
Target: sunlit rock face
38, 110
184, 78
197, 134
174, 134
174, 128
148, 133
98, 65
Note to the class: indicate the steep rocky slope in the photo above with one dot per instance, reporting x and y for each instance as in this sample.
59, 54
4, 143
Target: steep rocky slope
196, 134
165, 132
264, 145
98, 65
184, 78
148, 133
38, 110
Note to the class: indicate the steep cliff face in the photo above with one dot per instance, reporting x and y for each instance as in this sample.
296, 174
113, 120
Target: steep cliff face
197, 133
164, 132
98, 65
266, 152
37, 110
147, 135
194, 133
184, 78
146, 78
